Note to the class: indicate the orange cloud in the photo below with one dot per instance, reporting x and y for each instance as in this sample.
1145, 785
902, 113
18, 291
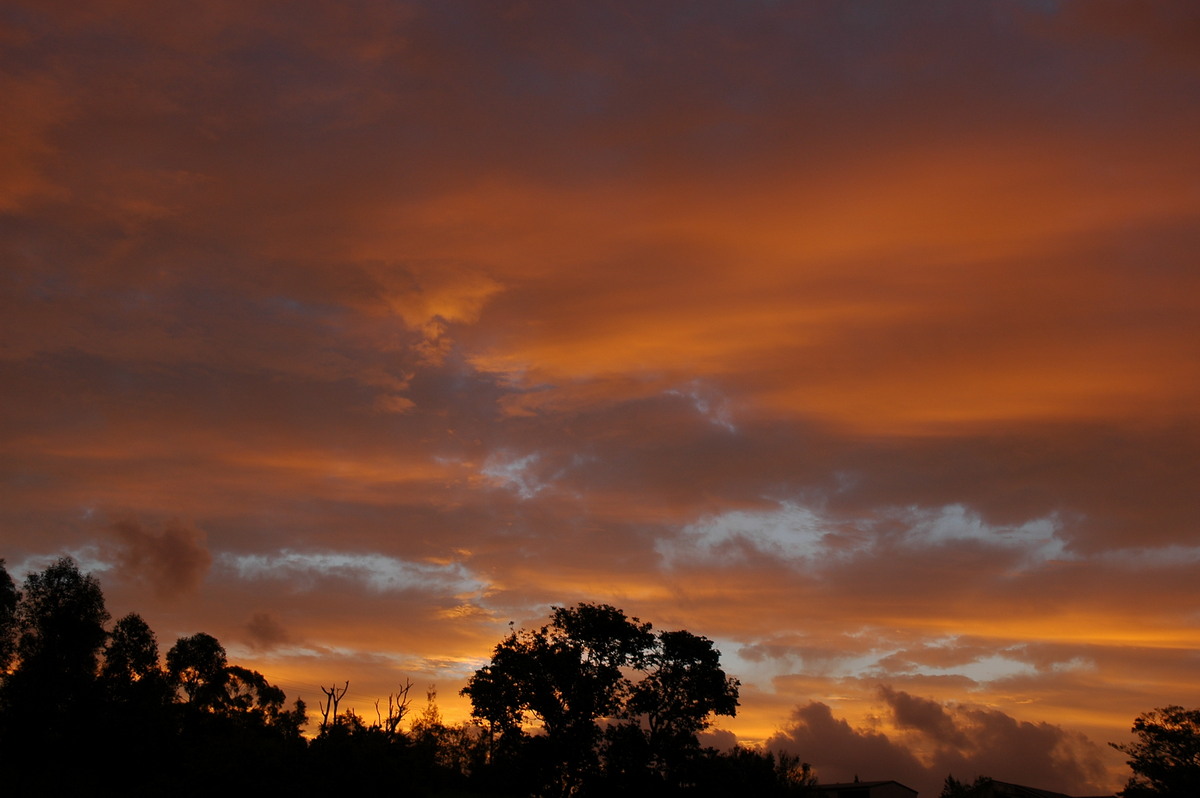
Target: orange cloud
864, 343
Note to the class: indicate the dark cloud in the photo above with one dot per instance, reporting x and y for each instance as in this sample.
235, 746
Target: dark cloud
1034, 753
928, 718
266, 631
935, 739
172, 559
840, 752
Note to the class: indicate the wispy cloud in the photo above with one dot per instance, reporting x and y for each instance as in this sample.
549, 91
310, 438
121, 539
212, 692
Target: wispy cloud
306, 570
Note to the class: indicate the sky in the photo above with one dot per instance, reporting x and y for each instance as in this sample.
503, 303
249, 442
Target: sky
862, 338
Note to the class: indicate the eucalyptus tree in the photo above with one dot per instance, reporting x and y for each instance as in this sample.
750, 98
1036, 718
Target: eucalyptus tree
50, 699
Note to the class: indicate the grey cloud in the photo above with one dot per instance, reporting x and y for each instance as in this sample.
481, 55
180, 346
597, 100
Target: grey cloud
839, 752
376, 572
266, 631
1041, 754
936, 739
927, 717
171, 560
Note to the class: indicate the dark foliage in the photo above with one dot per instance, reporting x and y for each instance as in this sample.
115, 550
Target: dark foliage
113, 721
51, 698
619, 706
9, 595
953, 788
1165, 759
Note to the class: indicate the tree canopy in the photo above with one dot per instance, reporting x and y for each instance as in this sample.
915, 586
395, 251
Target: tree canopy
93, 695
1165, 758
59, 631
9, 596
591, 703
61, 619
611, 697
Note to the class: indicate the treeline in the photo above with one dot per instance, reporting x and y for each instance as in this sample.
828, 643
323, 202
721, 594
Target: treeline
113, 717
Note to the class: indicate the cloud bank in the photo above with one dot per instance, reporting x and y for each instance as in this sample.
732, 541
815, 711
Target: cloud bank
931, 740
864, 341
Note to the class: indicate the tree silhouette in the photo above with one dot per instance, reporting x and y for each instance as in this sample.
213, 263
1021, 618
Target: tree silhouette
197, 666
51, 696
60, 626
135, 700
124, 724
351, 755
684, 688
619, 707
131, 655
329, 708
953, 788
1165, 759
9, 596
567, 674
249, 692
453, 753
132, 681
231, 723
573, 675
61, 619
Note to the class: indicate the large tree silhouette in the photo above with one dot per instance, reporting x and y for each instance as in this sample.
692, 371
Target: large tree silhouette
60, 631
61, 619
198, 667
131, 657
606, 691
51, 698
676, 700
1165, 759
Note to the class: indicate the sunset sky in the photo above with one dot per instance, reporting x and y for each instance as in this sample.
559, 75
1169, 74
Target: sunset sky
860, 337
